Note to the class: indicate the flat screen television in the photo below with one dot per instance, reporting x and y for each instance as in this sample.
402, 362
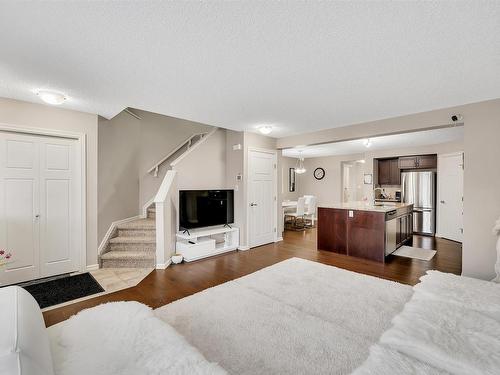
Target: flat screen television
205, 208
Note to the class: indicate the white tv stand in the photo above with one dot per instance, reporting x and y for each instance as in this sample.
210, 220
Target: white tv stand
206, 242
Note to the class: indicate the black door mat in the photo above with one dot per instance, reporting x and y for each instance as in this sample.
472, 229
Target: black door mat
63, 289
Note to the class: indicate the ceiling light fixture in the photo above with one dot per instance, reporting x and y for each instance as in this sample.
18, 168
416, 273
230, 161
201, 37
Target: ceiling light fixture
299, 168
51, 97
266, 129
367, 142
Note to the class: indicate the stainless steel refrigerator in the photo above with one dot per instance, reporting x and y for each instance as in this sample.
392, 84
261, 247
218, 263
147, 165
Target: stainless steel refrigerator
419, 188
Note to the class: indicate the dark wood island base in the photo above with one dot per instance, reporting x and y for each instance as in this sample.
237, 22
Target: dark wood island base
369, 232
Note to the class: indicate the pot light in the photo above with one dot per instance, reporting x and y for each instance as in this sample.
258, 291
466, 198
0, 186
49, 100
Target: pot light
367, 142
266, 129
51, 97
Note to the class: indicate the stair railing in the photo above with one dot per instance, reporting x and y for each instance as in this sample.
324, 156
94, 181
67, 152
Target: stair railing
188, 143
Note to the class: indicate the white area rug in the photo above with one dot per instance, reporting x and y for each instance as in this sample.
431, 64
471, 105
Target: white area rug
415, 253
295, 317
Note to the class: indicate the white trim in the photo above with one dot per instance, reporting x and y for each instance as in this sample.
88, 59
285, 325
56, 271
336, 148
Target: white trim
92, 267
275, 188
149, 203
279, 239
162, 266
111, 229
243, 248
191, 149
81, 139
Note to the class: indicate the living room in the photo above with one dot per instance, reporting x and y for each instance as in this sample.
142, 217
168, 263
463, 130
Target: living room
153, 217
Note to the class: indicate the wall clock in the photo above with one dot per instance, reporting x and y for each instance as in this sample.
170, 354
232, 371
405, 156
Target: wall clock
319, 173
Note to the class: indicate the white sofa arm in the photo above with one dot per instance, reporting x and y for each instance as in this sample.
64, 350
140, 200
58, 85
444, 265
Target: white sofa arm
24, 342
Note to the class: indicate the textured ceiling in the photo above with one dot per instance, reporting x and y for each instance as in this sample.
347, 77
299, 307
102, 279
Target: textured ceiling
386, 142
300, 66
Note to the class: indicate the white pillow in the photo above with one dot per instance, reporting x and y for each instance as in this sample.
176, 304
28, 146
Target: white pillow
24, 343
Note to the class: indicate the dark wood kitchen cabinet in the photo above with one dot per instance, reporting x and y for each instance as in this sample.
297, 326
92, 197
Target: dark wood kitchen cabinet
418, 162
388, 172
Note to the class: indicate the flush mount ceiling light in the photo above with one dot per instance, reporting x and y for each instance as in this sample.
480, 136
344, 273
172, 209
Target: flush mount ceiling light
266, 129
367, 142
299, 168
51, 97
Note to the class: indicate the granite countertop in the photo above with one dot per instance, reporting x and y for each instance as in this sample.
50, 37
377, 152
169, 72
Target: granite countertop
366, 206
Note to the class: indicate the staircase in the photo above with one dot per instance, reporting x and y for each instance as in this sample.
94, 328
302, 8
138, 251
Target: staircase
133, 244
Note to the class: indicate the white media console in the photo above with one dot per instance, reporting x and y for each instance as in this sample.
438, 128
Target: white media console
205, 242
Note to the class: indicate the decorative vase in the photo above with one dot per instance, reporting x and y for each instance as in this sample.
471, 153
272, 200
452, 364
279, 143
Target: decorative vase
177, 258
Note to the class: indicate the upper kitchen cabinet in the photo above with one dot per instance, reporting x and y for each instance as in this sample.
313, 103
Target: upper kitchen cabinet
418, 162
388, 172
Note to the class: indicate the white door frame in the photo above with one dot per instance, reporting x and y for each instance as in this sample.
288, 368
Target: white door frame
438, 195
275, 190
82, 156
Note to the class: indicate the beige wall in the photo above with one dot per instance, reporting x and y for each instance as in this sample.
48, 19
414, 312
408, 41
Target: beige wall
481, 187
159, 135
37, 116
481, 175
235, 167
284, 165
119, 157
205, 166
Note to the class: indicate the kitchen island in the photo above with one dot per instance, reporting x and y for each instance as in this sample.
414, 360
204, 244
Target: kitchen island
370, 231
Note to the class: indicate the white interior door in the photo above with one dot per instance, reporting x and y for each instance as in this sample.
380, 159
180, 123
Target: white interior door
19, 205
261, 197
450, 196
40, 206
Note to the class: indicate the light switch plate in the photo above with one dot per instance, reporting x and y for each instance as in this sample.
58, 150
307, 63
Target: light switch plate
351, 213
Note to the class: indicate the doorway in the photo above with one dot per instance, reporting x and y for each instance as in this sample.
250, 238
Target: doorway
352, 181
450, 196
40, 205
262, 197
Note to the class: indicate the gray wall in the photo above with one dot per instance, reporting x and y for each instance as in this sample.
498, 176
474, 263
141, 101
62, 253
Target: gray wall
29, 115
159, 135
119, 156
481, 188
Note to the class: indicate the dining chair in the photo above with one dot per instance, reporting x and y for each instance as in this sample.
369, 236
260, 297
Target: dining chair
310, 213
298, 215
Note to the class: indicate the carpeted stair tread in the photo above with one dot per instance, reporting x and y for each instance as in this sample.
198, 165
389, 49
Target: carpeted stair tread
138, 224
134, 240
128, 255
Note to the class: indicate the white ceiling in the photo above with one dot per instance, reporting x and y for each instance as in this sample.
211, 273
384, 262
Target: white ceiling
387, 142
300, 66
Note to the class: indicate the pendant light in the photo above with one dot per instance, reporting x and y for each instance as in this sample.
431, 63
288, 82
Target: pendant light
299, 168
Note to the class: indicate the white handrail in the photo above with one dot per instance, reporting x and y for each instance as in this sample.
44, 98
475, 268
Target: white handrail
191, 149
155, 168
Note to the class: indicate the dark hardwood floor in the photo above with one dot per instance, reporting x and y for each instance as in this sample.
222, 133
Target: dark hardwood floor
177, 281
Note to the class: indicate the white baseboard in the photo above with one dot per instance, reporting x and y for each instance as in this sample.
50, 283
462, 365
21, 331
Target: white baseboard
162, 266
92, 267
279, 239
244, 248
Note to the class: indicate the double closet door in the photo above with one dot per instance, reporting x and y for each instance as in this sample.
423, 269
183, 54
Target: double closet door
40, 206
